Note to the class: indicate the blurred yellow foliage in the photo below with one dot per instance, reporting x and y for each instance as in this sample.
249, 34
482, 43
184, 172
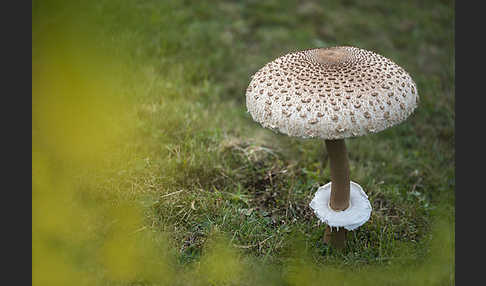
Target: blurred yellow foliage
221, 264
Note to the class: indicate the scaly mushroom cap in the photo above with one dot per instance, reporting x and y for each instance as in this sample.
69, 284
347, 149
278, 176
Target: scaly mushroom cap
331, 93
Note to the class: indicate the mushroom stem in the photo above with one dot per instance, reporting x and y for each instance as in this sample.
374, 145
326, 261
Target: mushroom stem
340, 187
335, 238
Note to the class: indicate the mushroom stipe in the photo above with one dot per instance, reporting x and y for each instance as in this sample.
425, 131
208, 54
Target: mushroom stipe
356, 82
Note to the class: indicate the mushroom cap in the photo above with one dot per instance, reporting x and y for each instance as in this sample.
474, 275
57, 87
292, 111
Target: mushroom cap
331, 93
358, 212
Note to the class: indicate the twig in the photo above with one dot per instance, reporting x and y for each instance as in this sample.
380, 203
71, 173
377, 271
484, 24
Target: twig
139, 230
166, 195
253, 245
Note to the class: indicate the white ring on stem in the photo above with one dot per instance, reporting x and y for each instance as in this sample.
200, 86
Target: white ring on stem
357, 213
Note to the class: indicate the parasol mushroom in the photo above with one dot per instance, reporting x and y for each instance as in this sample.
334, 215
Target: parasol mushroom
333, 93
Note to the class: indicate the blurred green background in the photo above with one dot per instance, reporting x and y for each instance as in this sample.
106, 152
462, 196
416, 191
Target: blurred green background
147, 170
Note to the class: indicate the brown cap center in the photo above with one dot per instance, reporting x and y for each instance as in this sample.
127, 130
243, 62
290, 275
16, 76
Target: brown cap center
331, 56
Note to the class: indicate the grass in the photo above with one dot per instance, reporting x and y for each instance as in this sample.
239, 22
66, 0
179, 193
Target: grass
179, 161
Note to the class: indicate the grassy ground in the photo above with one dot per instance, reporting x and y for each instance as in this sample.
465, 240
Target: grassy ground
194, 167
